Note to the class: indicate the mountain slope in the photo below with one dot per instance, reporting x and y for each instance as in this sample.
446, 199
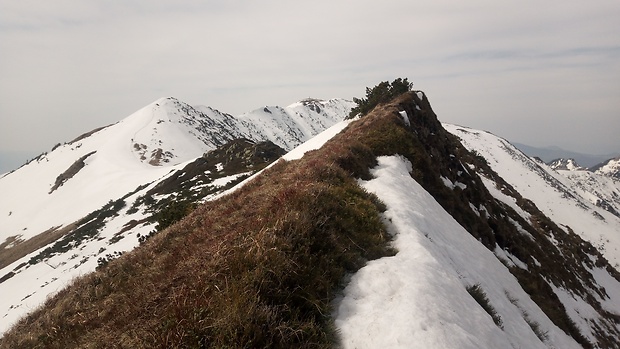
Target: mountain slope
89, 200
474, 263
609, 168
425, 289
599, 189
552, 193
599, 185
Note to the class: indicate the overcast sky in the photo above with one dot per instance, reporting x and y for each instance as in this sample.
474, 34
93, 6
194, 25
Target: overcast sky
535, 72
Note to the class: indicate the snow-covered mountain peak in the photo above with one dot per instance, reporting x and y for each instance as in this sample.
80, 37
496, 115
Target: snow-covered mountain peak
327, 106
314, 104
169, 132
610, 168
295, 123
566, 164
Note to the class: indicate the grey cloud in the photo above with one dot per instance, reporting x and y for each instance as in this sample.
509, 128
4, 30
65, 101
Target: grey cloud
504, 66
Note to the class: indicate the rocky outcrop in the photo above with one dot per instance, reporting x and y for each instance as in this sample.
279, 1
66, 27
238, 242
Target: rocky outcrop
70, 172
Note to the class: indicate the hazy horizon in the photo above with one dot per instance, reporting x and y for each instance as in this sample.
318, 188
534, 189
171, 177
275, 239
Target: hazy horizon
534, 73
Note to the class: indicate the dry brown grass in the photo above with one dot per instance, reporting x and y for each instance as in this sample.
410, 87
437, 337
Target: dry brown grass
20, 248
257, 268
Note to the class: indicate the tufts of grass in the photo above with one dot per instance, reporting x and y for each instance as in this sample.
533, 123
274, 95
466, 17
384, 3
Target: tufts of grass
478, 294
534, 325
538, 331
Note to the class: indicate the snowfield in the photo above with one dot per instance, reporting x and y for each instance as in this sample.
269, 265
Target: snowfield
419, 297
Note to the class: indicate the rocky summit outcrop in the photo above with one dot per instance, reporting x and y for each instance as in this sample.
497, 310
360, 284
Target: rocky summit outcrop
566, 165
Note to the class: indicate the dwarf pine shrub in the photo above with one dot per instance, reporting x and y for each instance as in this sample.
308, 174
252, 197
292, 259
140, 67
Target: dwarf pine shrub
384, 92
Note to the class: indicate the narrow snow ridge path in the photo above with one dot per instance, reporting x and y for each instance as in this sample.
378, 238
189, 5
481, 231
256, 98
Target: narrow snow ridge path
418, 298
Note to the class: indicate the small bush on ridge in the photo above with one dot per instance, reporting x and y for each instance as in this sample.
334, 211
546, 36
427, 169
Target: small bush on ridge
382, 93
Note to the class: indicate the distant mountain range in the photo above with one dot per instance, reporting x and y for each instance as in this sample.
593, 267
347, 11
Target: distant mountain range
182, 226
548, 154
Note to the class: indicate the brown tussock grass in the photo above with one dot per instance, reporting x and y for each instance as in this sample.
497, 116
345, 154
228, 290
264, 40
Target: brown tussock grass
21, 248
256, 268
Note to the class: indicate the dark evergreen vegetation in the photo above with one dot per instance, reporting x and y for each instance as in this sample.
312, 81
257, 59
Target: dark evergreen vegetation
384, 92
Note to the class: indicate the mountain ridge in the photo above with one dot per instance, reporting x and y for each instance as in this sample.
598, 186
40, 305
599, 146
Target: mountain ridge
276, 238
551, 153
528, 177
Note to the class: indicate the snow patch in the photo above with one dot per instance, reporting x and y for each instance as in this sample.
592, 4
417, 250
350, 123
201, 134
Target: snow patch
510, 259
448, 183
405, 117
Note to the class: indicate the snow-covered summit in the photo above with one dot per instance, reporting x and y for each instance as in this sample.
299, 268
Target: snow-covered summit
566, 164
296, 123
610, 168
177, 132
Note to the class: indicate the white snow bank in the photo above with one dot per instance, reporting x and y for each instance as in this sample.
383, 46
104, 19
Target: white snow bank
316, 142
405, 117
418, 297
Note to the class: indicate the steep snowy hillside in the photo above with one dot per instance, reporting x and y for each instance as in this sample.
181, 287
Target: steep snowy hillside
75, 178
71, 209
550, 191
600, 189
